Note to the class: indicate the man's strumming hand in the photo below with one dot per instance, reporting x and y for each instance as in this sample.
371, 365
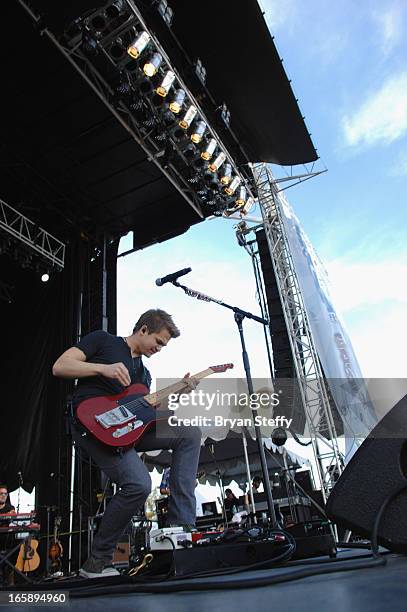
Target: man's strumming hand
117, 371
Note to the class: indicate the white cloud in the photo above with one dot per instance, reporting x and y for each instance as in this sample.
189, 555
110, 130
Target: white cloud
381, 118
278, 13
380, 344
356, 285
390, 25
377, 294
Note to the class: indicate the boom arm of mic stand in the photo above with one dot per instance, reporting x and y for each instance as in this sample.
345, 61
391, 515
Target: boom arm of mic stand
207, 298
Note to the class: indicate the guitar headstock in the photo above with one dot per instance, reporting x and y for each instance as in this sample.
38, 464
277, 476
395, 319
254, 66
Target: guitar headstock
222, 368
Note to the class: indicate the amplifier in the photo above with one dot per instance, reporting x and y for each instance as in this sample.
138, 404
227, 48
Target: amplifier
313, 539
213, 557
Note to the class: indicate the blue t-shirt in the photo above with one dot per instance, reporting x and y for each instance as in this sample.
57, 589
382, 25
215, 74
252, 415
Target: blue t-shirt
102, 347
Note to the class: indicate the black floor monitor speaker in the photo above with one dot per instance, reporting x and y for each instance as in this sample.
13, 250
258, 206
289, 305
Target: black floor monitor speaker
376, 472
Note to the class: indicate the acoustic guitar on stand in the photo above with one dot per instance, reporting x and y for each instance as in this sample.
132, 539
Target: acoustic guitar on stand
28, 559
121, 420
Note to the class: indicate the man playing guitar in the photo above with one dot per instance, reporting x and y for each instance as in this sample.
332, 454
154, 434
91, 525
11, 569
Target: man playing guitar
106, 365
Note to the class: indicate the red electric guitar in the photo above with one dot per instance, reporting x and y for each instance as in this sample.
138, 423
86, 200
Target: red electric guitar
121, 420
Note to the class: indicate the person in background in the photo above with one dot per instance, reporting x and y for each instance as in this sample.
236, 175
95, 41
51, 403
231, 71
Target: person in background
7, 541
231, 504
5, 504
256, 482
165, 482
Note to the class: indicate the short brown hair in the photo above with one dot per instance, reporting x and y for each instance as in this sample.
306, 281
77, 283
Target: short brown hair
155, 319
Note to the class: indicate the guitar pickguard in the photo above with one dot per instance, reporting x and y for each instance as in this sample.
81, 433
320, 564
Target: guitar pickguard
114, 417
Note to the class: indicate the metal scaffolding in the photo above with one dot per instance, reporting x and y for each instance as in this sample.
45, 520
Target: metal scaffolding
27, 232
308, 370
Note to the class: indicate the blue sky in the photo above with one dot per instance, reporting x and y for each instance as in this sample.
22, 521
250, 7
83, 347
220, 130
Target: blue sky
347, 62
347, 65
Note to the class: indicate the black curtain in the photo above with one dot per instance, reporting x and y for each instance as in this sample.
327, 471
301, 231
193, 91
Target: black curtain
39, 323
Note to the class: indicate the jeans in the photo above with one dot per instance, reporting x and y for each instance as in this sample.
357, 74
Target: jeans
134, 483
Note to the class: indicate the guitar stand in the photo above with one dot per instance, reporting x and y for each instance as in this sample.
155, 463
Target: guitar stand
4, 560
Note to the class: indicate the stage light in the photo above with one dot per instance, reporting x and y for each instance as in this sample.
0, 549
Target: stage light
117, 49
200, 71
151, 67
248, 206
116, 9
166, 84
188, 117
216, 164
241, 199
146, 87
178, 101
231, 188
226, 174
168, 118
189, 152
210, 180
162, 7
178, 133
138, 45
210, 149
166, 12
45, 278
169, 16
99, 22
198, 132
225, 114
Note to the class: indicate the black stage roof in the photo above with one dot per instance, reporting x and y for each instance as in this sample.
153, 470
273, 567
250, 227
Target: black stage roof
68, 164
245, 71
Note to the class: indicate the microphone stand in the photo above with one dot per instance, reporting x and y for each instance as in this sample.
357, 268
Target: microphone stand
220, 483
20, 484
239, 316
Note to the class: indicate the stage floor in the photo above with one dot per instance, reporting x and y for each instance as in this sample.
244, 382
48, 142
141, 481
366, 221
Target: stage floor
360, 589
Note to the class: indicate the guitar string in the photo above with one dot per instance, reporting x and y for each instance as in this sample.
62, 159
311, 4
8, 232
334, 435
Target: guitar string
136, 401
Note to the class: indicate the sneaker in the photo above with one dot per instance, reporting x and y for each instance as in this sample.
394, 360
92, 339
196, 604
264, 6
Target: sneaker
97, 568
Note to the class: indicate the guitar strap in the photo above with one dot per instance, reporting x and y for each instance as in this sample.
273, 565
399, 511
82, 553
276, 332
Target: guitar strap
70, 418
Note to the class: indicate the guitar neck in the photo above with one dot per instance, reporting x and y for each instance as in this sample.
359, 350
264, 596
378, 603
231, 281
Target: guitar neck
178, 387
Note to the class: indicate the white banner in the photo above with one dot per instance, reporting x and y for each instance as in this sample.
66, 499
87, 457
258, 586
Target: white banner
332, 342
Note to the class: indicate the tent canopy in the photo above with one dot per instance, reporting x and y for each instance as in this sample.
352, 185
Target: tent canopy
227, 458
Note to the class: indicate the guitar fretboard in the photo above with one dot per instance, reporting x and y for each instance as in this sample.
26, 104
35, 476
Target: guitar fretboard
178, 387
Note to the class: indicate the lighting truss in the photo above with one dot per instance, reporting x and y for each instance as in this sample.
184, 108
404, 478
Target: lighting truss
311, 381
97, 46
30, 234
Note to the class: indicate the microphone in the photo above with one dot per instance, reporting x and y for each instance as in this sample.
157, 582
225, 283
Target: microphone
172, 277
20, 478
